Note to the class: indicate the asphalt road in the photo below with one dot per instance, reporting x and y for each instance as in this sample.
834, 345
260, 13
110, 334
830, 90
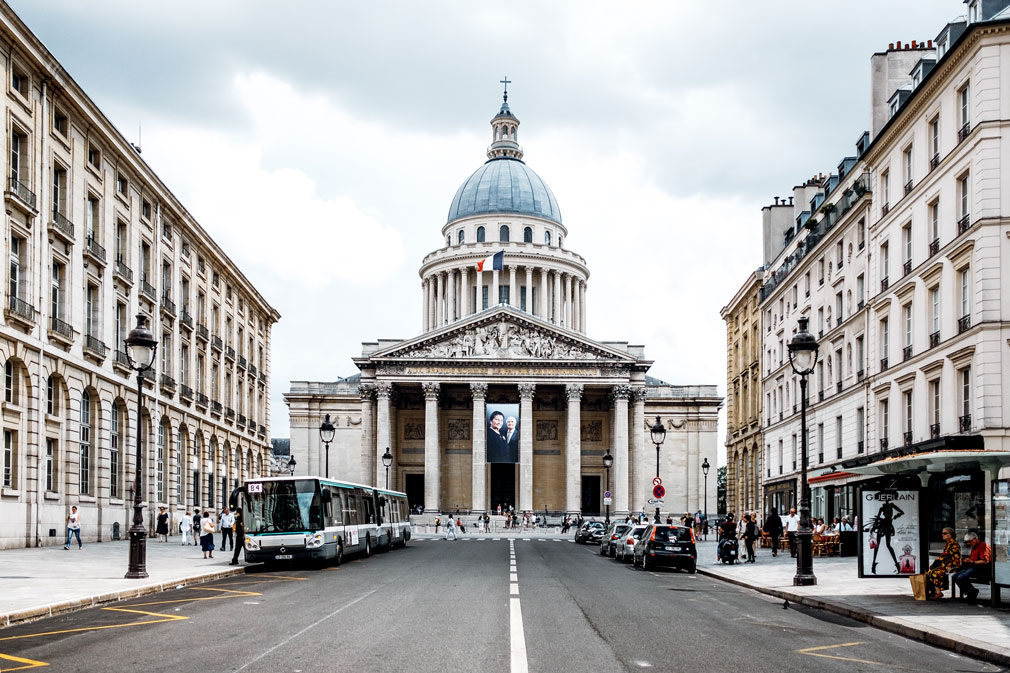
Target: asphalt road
440, 606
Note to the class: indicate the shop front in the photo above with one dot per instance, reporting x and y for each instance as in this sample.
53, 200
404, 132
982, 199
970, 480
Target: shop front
780, 495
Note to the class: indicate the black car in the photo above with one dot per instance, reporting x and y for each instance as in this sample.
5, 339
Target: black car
589, 533
610, 539
666, 545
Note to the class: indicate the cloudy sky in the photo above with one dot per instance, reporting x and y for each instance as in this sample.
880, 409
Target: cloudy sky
320, 143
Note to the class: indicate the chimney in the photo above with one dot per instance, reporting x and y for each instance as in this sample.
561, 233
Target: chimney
888, 71
776, 200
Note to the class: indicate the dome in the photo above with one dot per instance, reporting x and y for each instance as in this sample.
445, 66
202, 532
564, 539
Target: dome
504, 185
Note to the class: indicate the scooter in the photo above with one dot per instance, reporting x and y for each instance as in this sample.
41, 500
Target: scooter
729, 550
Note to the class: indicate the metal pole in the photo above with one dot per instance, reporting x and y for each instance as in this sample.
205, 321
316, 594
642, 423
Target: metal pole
387, 477
804, 535
657, 476
138, 534
607, 505
705, 507
327, 460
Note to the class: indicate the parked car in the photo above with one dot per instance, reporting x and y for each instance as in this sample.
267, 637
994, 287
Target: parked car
666, 545
626, 545
589, 532
608, 543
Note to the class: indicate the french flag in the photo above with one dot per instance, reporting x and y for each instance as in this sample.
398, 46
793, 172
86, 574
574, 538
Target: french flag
494, 262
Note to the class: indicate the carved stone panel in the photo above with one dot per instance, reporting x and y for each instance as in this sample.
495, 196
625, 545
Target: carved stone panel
547, 431
504, 340
459, 429
413, 430
592, 431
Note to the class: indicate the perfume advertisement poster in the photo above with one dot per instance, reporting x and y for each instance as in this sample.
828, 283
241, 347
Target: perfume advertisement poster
890, 533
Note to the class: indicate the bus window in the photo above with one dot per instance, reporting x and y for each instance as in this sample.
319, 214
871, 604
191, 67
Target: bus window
351, 511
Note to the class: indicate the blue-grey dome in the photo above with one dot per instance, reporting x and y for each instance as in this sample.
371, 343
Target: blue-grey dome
504, 185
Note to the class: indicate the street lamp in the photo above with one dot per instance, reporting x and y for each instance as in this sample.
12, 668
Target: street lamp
140, 349
326, 436
608, 462
704, 469
387, 460
803, 357
291, 465
658, 436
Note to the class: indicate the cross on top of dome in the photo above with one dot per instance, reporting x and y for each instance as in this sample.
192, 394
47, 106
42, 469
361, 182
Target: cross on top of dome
504, 128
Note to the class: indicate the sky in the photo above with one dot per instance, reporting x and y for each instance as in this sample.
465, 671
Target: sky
321, 143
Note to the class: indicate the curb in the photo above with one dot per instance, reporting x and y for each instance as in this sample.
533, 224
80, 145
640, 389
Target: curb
65, 607
938, 639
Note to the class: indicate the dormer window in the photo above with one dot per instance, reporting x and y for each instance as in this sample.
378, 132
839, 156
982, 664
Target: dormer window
973, 11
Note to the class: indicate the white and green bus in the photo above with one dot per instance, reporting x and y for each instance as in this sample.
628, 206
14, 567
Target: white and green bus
312, 518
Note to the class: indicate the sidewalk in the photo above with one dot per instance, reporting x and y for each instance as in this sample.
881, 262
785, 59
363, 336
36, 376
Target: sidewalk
45, 581
977, 631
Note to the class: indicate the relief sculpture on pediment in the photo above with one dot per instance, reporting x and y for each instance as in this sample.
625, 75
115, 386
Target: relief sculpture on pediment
502, 340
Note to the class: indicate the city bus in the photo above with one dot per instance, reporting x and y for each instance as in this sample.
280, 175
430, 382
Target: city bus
311, 518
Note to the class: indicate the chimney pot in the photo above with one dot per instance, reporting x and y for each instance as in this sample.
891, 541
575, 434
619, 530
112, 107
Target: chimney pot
915, 45
776, 200
890, 46
930, 44
790, 200
898, 43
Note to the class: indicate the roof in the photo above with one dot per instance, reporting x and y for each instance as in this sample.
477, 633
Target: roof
504, 185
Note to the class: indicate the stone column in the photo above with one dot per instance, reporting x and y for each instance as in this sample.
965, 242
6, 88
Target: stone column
440, 300
424, 309
513, 290
529, 290
431, 303
367, 393
566, 303
542, 309
492, 300
465, 291
640, 477
557, 299
573, 450
432, 450
478, 305
582, 306
453, 289
620, 395
383, 432
576, 319
478, 503
526, 391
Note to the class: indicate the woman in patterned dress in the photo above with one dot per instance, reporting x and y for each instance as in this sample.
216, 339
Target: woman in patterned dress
948, 560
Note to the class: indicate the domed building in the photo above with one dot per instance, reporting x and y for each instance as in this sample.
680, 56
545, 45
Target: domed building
503, 399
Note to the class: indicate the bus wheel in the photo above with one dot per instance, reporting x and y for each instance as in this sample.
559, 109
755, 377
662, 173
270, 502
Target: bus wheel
340, 554
368, 546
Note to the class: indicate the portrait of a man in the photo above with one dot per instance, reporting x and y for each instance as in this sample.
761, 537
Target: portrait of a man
502, 433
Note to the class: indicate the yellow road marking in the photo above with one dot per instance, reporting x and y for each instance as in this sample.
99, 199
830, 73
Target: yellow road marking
233, 594
29, 663
164, 618
288, 579
815, 652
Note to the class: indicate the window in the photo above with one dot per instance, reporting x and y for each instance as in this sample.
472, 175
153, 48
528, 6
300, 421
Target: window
19, 156
10, 383
862, 233
17, 285
166, 280
94, 156
121, 241
794, 451
480, 234
838, 308
964, 281
934, 225
839, 254
838, 436
934, 141
10, 459
885, 190
860, 353
820, 271
934, 403
908, 415
92, 218
820, 442
547, 238
934, 310
528, 235
59, 189
166, 353
503, 233
145, 210
52, 397
964, 377
885, 338
860, 429
460, 237
61, 123
964, 107
84, 466
121, 326
806, 284
906, 243
884, 419
885, 260
448, 240
122, 184
907, 165
963, 195
91, 308
51, 458
159, 465
215, 279
820, 320
57, 302
860, 290
19, 81
907, 312
115, 442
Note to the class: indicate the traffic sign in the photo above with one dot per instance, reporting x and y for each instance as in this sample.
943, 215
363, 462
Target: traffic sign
658, 491
606, 500
655, 501
657, 481
606, 494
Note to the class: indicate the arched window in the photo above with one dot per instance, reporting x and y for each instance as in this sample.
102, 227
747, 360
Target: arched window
180, 455
115, 442
84, 438
159, 465
561, 242
197, 451
513, 133
503, 233
10, 382
460, 238
480, 234
448, 240
52, 396
211, 470
547, 238
528, 235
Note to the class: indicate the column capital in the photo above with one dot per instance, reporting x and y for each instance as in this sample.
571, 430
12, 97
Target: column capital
478, 390
639, 393
526, 390
431, 390
620, 392
384, 390
574, 392
366, 391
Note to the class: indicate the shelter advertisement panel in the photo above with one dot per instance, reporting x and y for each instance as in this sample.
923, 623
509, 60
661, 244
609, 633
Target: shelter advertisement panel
503, 433
890, 533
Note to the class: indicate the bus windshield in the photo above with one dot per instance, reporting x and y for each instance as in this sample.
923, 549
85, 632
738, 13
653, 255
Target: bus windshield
283, 506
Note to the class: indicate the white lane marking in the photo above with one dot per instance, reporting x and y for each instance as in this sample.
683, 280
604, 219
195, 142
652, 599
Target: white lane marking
514, 589
518, 637
513, 577
643, 664
320, 621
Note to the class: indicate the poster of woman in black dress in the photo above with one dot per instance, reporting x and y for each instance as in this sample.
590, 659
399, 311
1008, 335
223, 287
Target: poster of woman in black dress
891, 521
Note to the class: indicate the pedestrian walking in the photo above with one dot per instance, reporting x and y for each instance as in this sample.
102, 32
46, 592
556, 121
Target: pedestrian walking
450, 528
438, 522
750, 534
197, 530
239, 544
459, 524
207, 534
227, 526
773, 526
186, 527
74, 527
161, 528
792, 523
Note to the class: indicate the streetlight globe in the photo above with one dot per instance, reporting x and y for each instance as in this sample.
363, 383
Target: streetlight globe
705, 467
658, 431
387, 458
291, 465
326, 430
141, 345
803, 350
608, 460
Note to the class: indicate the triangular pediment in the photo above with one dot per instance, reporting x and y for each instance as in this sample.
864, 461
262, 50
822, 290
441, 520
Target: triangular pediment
502, 333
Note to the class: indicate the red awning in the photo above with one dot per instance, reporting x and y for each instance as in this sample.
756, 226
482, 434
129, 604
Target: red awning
831, 476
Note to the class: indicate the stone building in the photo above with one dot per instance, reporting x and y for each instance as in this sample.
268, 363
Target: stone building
509, 336
94, 237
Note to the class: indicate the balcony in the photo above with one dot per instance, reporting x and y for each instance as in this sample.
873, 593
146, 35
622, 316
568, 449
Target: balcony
907, 436
963, 324
229, 353
241, 362
934, 246
185, 392
965, 223
263, 377
859, 375
883, 364
906, 268
123, 272
94, 347
201, 400
861, 304
838, 387
934, 431
167, 383
148, 290
820, 395
215, 407
884, 209
859, 446
120, 360
20, 192
263, 432
934, 339
934, 161
252, 369
883, 443
60, 330
167, 306
216, 343
963, 132
20, 311
883, 284
964, 423
62, 227
93, 250
229, 414
241, 420
906, 353
186, 319
908, 187
202, 332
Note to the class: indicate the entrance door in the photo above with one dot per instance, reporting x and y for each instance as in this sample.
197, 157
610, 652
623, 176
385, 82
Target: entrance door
591, 498
414, 487
503, 485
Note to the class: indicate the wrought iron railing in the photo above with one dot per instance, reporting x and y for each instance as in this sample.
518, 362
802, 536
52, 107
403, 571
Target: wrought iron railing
92, 247
934, 161
934, 246
934, 430
934, 339
883, 443
964, 224
148, 290
201, 400
964, 423
202, 331
95, 345
883, 364
908, 187
963, 324
185, 392
121, 358
62, 225
20, 190
907, 436
216, 342
185, 318
61, 327
167, 305
883, 284
906, 268
963, 132
123, 271
167, 381
22, 309
906, 353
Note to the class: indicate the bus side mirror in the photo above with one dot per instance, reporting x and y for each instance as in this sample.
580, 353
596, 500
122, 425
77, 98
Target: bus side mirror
233, 498
327, 496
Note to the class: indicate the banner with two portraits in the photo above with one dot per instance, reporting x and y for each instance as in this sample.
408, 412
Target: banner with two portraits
502, 433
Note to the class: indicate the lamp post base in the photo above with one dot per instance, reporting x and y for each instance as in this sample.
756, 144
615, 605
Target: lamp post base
138, 554
804, 576
804, 580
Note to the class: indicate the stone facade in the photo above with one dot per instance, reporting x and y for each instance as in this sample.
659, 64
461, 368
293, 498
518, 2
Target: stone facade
93, 238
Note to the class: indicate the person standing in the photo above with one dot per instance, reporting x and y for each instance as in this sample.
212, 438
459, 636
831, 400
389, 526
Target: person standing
186, 527
792, 524
207, 534
161, 529
450, 528
227, 526
750, 535
773, 526
197, 530
239, 543
74, 527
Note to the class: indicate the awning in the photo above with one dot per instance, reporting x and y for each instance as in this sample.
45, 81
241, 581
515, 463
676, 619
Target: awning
935, 462
832, 478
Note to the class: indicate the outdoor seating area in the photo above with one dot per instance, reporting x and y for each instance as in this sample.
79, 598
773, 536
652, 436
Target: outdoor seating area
823, 545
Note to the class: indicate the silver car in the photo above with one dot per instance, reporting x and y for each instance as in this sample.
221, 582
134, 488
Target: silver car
608, 545
626, 545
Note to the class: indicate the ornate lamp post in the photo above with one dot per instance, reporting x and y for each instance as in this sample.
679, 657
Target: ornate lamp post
704, 469
802, 357
608, 462
658, 431
387, 460
291, 465
326, 436
140, 349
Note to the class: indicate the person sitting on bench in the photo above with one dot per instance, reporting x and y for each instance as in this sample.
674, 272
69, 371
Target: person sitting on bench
976, 567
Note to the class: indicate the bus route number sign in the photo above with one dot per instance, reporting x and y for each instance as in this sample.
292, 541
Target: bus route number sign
254, 488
